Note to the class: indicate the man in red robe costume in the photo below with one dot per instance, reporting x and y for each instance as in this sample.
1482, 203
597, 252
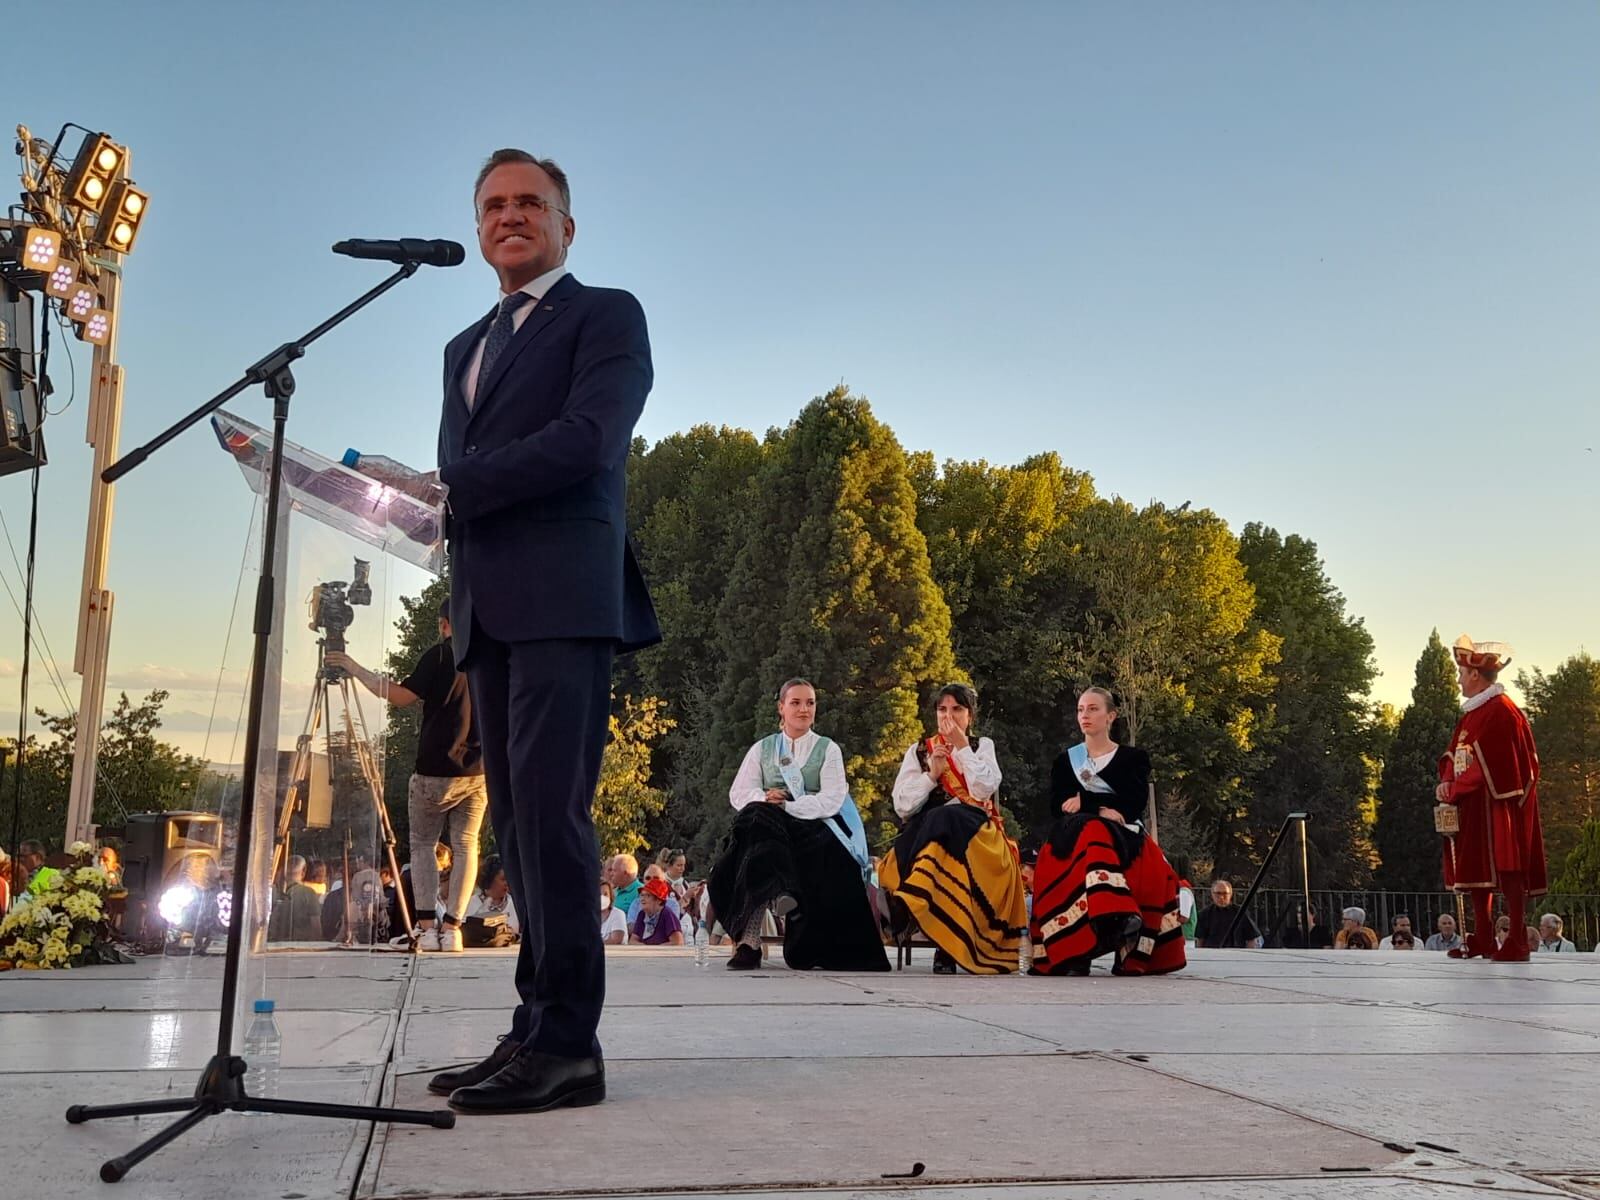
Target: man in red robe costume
1491, 774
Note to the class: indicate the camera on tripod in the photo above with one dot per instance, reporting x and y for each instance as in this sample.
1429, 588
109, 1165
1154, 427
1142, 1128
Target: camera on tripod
329, 606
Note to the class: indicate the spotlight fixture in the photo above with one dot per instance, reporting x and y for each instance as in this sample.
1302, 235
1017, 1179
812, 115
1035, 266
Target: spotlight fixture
99, 162
96, 327
59, 282
121, 218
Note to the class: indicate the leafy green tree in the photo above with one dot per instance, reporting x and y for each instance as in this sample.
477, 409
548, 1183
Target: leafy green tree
999, 540
688, 499
40, 805
1171, 629
1580, 871
1564, 708
138, 768
1406, 843
1316, 739
625, 802
135, 770
832, 582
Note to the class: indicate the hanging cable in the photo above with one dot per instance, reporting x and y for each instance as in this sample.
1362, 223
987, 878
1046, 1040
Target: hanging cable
72, 364
20, 770
227, 642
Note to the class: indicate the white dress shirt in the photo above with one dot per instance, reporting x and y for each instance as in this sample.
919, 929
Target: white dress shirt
747, 787
913, 785
536, 288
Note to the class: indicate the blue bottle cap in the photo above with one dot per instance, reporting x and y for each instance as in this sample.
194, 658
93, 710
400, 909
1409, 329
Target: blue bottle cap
351, 458
263, 1006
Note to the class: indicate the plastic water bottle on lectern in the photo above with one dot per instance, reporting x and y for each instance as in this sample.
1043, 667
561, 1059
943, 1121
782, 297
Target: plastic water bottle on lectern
375, 464
390, 473
263, 1047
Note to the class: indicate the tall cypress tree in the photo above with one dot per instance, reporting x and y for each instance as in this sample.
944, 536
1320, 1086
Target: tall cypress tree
688, 500
833, 583
1404, 834
1313, 747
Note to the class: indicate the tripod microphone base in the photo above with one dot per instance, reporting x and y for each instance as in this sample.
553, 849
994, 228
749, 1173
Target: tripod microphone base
221, 1089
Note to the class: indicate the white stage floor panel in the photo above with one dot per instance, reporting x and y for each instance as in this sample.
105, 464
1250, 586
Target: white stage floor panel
1251, 1075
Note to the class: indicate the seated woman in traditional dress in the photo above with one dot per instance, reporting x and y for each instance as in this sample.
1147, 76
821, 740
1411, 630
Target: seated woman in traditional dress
798, 847
1102, 886
952, 867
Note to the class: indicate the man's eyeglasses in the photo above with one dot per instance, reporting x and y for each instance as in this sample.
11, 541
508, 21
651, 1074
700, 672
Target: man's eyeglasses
528, 204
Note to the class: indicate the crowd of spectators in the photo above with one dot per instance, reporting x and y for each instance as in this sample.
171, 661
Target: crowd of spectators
1212, 928
661, 906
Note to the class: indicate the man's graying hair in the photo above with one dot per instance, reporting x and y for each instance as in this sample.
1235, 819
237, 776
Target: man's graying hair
512, 155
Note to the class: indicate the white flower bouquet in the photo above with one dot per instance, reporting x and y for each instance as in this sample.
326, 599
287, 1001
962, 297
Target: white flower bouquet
63, 922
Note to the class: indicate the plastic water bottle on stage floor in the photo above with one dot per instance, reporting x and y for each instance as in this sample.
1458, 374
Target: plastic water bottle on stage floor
263, 1047
1024, 954
702, 944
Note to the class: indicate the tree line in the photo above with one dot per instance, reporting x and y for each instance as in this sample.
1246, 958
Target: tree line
827, 550
136, 772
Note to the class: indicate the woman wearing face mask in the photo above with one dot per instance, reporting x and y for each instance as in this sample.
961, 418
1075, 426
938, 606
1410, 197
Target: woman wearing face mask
953, 870
1102, 886
613, 925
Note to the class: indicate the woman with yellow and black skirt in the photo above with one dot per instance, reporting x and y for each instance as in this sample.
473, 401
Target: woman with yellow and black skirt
953, 867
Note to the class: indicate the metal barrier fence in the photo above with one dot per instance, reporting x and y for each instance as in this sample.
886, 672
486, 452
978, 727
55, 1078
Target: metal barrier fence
1581, 914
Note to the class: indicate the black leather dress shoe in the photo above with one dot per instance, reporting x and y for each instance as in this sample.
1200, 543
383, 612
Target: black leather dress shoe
449, 1081
745, 958
534, 1082
943, 964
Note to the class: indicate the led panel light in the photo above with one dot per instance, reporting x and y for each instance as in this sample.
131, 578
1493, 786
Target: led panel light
80, 301
60, 281
96, 328
41, 249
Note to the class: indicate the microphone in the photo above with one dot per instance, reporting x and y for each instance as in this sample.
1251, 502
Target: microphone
430, 253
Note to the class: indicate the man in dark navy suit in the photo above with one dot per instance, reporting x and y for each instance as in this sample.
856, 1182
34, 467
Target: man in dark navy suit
540, 400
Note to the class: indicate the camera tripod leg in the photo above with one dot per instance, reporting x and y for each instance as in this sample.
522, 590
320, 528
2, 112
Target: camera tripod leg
298, 792
356, 730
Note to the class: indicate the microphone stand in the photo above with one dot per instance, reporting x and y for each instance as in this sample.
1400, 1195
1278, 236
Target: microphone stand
221, 1087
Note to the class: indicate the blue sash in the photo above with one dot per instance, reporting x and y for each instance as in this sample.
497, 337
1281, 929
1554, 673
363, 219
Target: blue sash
845, 824
852, 834
1078, 756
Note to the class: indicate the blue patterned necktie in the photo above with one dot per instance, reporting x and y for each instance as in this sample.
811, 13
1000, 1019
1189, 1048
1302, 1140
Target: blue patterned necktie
499, 337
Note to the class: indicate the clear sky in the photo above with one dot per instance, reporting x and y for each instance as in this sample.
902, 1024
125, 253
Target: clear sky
1331, 267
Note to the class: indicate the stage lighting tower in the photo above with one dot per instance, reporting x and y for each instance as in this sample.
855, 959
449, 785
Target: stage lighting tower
77, 223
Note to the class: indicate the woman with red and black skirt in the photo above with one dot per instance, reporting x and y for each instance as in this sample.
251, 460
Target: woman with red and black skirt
1101, 886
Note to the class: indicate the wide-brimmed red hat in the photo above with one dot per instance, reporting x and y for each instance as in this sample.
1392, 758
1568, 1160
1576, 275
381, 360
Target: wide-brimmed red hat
657, 888
1482, 656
